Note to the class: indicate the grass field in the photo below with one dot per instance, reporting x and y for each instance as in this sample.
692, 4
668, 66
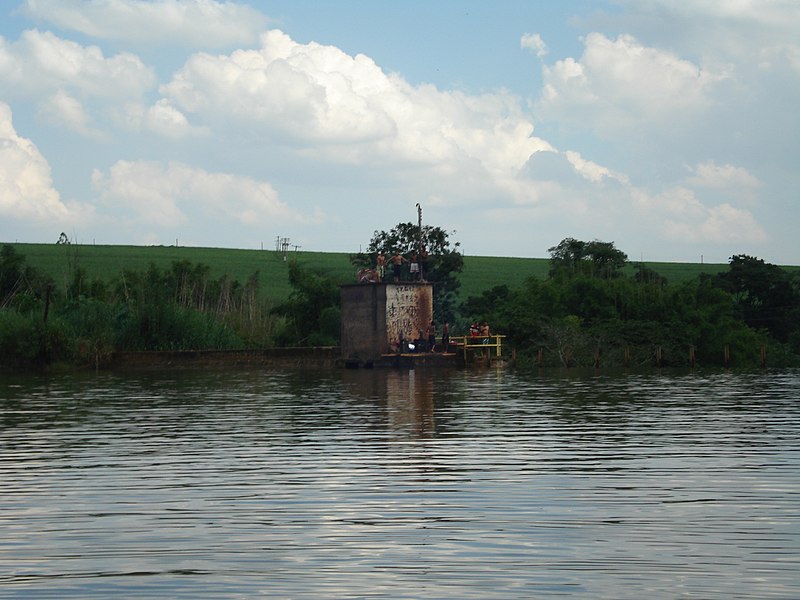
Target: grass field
106, 262
480, 272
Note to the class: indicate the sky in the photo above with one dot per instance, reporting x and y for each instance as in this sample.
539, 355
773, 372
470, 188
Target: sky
668, 128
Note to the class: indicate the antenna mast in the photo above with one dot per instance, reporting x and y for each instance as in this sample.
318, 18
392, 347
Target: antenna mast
419, 224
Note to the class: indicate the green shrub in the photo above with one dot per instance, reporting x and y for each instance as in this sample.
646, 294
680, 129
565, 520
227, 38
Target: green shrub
26, 341
169, 327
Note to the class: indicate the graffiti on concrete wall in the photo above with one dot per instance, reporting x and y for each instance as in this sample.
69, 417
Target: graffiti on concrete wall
408, 312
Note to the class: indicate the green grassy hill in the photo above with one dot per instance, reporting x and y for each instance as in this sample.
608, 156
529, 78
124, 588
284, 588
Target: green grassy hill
480, 272
107, 262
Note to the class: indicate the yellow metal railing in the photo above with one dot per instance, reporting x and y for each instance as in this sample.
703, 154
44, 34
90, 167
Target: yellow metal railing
480, 342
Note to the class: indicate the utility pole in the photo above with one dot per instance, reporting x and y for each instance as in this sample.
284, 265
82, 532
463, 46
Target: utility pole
419, 224
282, 246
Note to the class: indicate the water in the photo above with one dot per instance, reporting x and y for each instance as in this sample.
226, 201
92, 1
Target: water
400, 484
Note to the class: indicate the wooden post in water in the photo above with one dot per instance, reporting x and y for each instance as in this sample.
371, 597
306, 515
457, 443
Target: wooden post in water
597, 357
691, 355
726, 355
540, 357
626, 357
658, 356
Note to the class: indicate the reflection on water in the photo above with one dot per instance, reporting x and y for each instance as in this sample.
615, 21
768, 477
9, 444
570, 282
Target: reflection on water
400, 484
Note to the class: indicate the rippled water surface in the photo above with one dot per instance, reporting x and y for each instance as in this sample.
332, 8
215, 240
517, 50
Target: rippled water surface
400, 484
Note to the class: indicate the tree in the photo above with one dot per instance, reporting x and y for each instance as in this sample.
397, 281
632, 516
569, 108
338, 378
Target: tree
312, 310
763, 293
567, 256
646, 275
20, 284
596, 259
406, 238
443, 265
607, 262
485, 306
11, 272
589, 298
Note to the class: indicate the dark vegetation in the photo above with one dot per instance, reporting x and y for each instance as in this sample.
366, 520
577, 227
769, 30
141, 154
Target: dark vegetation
89, 318
586, 305
589, 312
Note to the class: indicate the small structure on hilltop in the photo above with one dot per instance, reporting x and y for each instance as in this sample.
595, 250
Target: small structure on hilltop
383, 319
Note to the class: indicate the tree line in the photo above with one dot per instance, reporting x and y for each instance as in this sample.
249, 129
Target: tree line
587, 311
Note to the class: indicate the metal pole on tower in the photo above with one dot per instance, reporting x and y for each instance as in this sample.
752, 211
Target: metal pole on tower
419, 224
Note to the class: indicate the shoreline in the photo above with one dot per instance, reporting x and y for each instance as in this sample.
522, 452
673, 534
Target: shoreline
316, 356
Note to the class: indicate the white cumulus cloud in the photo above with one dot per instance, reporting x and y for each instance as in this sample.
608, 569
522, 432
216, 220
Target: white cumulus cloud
26, 185
591, 170
534, 42
738, 31
196, 23
684, 218
622, 83
306, 93
41, 62
326, 104
712, 175
166, 120
162, 118
64, 110
167, 195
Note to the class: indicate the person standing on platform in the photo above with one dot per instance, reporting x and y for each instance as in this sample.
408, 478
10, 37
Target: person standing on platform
445, 336
380, 265
423, 264
485, 332
432, 337
414, 267
397, 265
